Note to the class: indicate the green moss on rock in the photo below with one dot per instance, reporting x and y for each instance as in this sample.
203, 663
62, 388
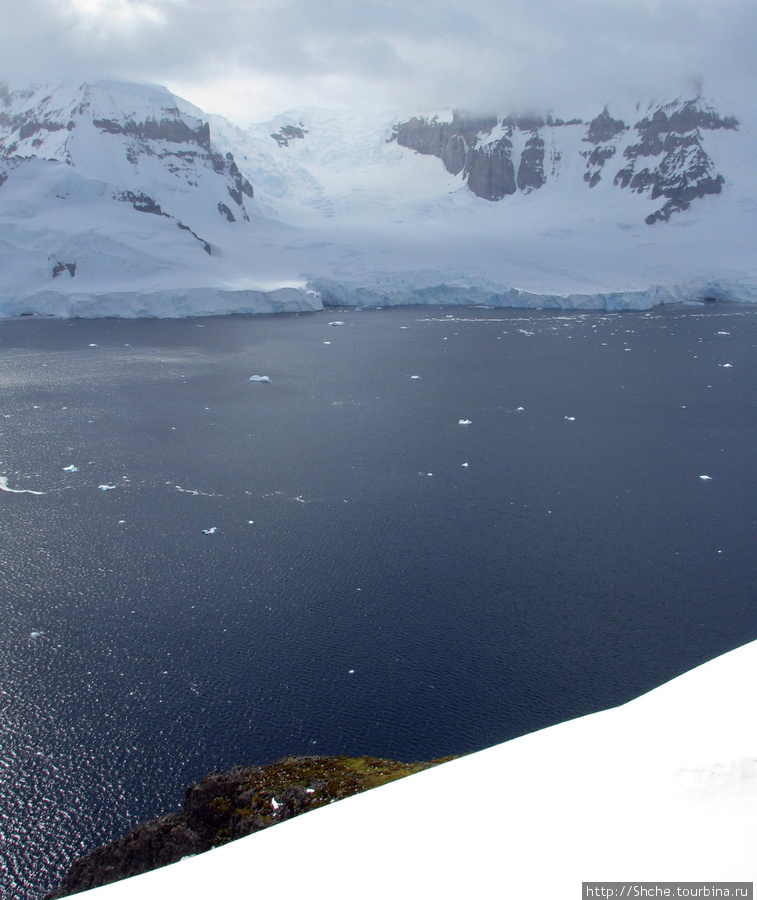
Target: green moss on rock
226, 805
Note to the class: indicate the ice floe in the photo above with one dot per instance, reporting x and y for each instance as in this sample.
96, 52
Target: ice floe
706, 477
264, 379
336, 323
4, 487
106, 487
210, 530
415, 377
71, 468
570, 418
465, 422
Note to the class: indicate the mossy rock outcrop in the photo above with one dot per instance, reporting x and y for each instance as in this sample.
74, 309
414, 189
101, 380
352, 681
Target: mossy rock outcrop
228, 805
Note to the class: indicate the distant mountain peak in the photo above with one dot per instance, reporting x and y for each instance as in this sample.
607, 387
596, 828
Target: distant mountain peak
668, 135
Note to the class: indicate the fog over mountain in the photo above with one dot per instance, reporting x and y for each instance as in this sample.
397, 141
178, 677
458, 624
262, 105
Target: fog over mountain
251, 60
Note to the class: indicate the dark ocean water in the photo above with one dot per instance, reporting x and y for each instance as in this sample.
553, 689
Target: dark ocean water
365, 592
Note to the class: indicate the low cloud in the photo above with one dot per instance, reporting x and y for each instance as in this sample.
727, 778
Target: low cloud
245, 58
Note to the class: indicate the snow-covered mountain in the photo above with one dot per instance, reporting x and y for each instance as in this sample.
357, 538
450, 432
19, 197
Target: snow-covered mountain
663, 153
120, 199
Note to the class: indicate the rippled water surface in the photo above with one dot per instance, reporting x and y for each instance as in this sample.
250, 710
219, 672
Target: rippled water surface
378, 578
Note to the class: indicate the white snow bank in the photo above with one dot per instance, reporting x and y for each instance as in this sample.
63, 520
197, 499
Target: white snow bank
663, 788
168, 304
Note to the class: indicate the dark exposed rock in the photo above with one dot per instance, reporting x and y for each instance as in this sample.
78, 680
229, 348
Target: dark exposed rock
225, 165
595, 161
228, 805
61, 267
174, 130
225, 211
28, 129
490, 170
448, 141
603, 128
140, 202
531, 168
670, 134
287, 133
205, 244
684, 171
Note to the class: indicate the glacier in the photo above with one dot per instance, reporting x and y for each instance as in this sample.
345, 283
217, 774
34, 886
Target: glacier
120, 199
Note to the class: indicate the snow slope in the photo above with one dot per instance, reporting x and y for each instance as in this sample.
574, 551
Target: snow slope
663, 788
121, 199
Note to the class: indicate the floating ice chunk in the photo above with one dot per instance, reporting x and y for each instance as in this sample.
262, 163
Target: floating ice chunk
465, 422
71, 468
210, 530
706, 477
106, 487
4, 487
327, 342
93, 345
351, 672
727, 366
520, 409
570, 418
36, 634
464, 466
724, 332
336, 323
262, 378
250, 522
415, 377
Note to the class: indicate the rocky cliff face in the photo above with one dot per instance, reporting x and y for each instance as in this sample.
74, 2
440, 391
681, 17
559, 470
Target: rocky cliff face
663, 152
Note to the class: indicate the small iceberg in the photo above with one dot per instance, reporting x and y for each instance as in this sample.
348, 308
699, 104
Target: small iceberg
415, 377
210, 530
336, 323
264, 379
106, 487
706, 477
465, 422
570, 418
71, 468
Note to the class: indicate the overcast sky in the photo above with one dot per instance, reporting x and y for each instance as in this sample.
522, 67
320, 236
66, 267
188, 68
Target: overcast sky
248, 59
